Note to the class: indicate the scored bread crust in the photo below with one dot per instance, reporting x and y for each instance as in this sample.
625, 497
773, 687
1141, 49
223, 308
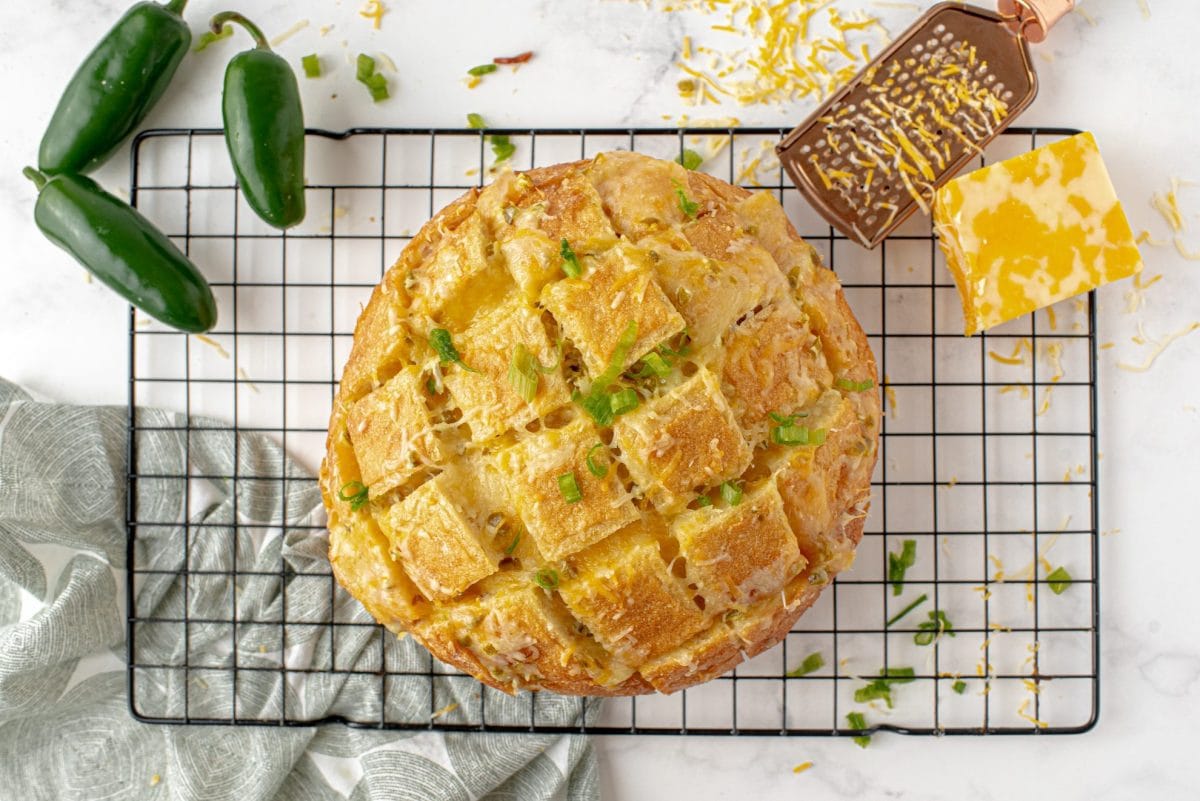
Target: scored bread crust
448, 546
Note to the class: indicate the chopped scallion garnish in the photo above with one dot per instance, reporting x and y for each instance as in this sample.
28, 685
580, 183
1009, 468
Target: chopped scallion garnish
1059, 579
482, 69
366, 75
791, 434
731, 493
959, 686
475, 121
688, 206
354, 493
898, 565
596, 402
653, 364
622, 401
690, 159
900, 615
859, 723
880, 689
523, 372
502, 148
512, 546
854, 386
931, 630
311, 65
440, 341
703, 501
570, 262
546, 578
813, 662
597, 470
568, 487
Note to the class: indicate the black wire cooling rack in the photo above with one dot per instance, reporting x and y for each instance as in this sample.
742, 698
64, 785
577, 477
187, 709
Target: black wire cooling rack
988, 465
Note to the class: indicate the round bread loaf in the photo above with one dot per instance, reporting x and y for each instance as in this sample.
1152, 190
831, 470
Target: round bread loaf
606, 427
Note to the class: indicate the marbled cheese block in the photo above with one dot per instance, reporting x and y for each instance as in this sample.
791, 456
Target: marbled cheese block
1028, 232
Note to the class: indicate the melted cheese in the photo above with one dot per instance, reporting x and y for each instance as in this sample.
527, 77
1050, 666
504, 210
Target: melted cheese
1030, 231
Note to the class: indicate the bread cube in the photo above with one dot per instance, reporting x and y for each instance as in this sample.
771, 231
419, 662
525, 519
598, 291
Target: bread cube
561, 528
392, 433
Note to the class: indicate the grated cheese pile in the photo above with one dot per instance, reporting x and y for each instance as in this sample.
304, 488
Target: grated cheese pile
773, 52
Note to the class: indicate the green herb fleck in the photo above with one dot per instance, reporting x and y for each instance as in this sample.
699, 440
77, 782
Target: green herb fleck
880, 689
440, 341
688, 206
512, 546
546, 578
859, 723
932, 629
731, 493
906, 610
597, 470
502, 149
959, 686
622, 401
570, 262
690, 159
703, 501
482, 69
812, 663
311, 65
475, 121
1059, 580
898, 565
568, 487
354, 493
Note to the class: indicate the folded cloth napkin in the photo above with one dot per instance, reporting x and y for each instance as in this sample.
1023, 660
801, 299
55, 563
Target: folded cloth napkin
65, 727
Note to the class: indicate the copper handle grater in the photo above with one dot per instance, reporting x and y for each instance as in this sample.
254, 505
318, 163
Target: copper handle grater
875, 152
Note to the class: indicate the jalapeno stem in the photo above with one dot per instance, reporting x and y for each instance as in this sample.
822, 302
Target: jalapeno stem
217, 24
176, 6
39, 179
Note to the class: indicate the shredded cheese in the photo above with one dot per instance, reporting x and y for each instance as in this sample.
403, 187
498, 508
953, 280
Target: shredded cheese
289, 33
374, 11
1159, 347
803, 766
212, 343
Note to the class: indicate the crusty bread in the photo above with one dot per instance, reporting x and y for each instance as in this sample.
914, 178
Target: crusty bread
652, 580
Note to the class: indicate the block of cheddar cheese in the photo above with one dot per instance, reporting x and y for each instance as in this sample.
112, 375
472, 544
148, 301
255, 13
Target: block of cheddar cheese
1022, 234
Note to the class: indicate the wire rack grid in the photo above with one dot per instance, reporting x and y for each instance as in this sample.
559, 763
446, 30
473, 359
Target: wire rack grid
988, 465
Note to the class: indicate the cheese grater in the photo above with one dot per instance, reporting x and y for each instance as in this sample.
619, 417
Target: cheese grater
876, 151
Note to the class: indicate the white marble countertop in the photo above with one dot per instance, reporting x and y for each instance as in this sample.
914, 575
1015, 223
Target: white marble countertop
1132, 79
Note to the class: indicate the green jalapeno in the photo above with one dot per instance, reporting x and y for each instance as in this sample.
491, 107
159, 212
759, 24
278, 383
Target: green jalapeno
115, 88
264, 128
124, 250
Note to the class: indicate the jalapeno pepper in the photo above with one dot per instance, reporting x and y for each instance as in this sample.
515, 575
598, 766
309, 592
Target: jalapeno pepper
264, 128
124, 250
115, 88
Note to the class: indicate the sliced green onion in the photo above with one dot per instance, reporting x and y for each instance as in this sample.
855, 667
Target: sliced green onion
596, 403
354, 493
857, 722
690, 159
475, 121
365, 67
378, 87
688, 206
568, 487
482, 69
900, 615
546, 578
208, 37
431, 386
625, 400
1059, 580
599, 471
854, 386
898, 565
813, 662
880, 689
522, 374
502, 149
731, 493
959, 686
597, 406
789, 435
653, 364
934, 628
512, 546
703, 501
570, 263
440, 341
311, 65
